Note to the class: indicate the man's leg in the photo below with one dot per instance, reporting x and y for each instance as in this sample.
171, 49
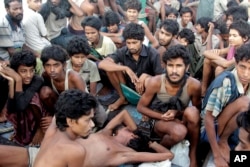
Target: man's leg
191, 118
227, 122
13, 156
207, 69
116, 78
171, 132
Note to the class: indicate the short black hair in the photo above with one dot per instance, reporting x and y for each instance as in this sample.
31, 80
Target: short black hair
171, 26
7, 2
242, 53
133, 31
187, 34
186, 10
54, 52
111, 18
203, 21
92, 21
133, 4
73, 104
25, 57
171, 10
237, 12
78, 45
242, 27
176, 51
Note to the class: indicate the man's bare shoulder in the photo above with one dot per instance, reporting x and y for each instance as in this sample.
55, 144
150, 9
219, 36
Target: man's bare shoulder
154, 81
194, 85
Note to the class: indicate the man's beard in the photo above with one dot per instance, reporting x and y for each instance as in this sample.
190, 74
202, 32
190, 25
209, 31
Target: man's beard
17, 19
175, 82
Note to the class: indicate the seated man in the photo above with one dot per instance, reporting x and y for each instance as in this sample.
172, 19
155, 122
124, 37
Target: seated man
131, 64
118, 134
101, 45
223, 59
25, 109
58, 79
113, 28
227, 96
171, 113
79, 50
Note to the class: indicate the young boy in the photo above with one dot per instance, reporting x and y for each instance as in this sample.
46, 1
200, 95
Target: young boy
133, 7
79, 50
57, 78
25, 109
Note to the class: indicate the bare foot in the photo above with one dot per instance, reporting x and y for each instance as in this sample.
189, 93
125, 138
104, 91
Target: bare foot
224, 150
117, 104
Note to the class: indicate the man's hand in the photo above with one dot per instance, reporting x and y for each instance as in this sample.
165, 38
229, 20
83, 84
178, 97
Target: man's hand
169, 115
132, 75
9, 72
220, 162
45, 122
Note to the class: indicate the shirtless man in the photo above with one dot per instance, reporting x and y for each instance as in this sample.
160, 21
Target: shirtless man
114, 135
73, 118
175, 89
57, 78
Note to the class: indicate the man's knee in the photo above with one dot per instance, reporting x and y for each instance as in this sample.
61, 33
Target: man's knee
243, 103
192, 115
178, 132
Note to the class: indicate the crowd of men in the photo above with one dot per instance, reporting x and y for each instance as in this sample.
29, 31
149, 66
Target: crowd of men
190, 72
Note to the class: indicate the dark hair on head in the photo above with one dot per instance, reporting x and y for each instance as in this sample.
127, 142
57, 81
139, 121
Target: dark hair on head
61, 11
242, 27
7, 2
73, 104
111, 18
243, 121
186, 10
133, 31
78, 45
176, 51
242, 53
25, 58
203, 21
222, 27
54, 52
140, 143
232, 3
237, 12
133, 4
92, 21
171, 26
171, 11
187, 34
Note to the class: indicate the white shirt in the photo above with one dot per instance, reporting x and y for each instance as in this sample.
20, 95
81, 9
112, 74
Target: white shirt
34, 29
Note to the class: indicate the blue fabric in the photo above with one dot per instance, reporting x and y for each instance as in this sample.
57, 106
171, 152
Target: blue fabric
217, 82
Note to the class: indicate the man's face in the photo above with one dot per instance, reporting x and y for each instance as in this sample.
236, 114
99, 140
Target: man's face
171, 16
175, 70
55, 69
134, 46
165, 37
26, 73
15, 11
78, 60
235, 39
199, 29
55, 2
185, 18
229, 21
34, 4
84, 125
243, 71
132, 15
126, 135
113, 28
92, 34
244, 143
